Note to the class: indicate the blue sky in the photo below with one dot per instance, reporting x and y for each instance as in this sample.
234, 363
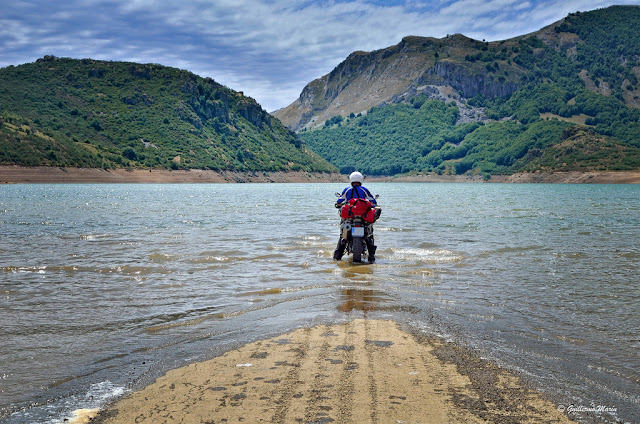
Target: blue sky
269, 49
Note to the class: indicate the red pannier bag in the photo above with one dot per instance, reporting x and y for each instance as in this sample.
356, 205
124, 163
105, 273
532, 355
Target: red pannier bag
358, 207
370, 216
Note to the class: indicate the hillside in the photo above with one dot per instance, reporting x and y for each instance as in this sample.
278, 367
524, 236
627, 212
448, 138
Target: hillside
417, 65
424, 137
98, 114
515, 98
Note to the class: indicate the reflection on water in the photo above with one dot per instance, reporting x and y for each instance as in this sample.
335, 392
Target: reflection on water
360, 300
104, 287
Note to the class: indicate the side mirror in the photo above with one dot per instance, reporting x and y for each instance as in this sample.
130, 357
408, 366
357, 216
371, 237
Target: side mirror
337, 194
376, 196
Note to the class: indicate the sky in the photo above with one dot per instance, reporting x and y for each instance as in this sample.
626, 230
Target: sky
268, 49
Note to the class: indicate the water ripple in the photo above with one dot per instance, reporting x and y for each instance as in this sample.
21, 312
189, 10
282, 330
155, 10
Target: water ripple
118, 283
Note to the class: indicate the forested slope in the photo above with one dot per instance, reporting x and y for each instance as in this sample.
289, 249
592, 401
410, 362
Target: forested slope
88, 113
563, 98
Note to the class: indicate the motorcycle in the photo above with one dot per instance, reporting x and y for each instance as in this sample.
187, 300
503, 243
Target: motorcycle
356, 228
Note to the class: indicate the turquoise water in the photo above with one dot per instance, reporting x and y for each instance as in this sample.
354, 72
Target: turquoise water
104, 287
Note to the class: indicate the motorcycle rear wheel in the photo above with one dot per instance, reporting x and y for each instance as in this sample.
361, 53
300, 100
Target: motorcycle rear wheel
358, 249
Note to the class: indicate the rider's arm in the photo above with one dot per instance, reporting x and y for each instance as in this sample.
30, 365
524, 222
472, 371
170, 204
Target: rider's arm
343, 197
370, 197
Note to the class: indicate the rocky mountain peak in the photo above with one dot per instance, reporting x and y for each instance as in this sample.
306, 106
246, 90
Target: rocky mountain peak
416, 65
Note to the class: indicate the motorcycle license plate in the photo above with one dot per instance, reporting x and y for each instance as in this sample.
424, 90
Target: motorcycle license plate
357, 231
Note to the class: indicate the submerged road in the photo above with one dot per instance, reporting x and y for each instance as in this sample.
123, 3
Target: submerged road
362, 371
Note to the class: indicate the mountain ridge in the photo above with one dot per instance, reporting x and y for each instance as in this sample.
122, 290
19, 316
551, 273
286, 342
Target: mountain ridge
406, 68
454, 62
425, 105
110, 114
490, 108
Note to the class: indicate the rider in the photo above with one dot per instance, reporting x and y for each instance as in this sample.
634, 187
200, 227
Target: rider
357, 190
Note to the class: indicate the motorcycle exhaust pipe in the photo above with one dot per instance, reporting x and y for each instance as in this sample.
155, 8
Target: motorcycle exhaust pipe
345, 231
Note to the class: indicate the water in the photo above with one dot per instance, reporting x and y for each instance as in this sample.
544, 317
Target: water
104, 287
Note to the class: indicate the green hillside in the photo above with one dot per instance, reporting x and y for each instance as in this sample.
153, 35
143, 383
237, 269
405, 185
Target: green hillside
564, 98
87, 113
423, 137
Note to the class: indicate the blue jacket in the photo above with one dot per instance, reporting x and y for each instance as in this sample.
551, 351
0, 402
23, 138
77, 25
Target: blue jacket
359, 192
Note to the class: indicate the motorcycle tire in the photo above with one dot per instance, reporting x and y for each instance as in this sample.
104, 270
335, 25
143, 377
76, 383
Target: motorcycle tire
358, 249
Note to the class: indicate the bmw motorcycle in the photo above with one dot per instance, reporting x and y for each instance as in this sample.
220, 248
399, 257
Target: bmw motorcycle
356, 228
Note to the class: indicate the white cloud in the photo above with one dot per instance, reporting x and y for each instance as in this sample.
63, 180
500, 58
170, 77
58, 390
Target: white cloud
13, 34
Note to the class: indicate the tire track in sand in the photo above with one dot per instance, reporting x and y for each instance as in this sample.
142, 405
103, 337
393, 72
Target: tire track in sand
364, 371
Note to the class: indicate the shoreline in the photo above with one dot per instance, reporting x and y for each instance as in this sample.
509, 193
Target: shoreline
15, 174
571, 177
360, 371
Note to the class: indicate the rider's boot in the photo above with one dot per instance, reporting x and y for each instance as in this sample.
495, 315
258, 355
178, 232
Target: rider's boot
337, 254
372, 252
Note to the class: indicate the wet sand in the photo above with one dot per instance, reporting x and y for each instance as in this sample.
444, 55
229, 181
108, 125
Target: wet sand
12, 174
364, 371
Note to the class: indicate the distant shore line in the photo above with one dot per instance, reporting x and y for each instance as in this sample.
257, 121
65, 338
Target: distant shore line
14, 174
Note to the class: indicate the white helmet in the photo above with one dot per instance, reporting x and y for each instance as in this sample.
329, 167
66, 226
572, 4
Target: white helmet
356, 177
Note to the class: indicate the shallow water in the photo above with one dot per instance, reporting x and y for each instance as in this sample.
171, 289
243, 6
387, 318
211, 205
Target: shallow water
104, 287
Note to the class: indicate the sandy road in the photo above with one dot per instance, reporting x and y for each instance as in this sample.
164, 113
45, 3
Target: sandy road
365, 371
